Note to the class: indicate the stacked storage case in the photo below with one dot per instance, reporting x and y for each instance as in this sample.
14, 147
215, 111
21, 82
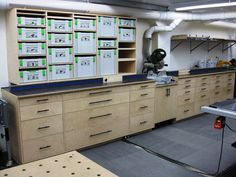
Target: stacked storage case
60, 51
31, 48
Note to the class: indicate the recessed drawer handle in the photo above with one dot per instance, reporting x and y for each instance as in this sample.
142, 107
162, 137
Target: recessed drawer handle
45, 147
45, 110
187, 99
217, 76
203, 89
229, 83
204, 83
144, 94
187, 92
102, 101
95, 117
203, 96
188, 81
204, 78
187, 86
217, 86
144, 122
42, 100
144, 86
102, 92
217, 81
186, 110
217, 93
45, 127
229, 79
97, 134
143, 107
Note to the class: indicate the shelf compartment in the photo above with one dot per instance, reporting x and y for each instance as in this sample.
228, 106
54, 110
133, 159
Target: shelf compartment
126, 49
126, 59
127, 54
127, 67
61, 63
127, 45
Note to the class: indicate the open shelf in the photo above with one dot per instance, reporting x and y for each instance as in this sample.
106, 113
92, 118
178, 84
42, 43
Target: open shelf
127, 45
127, 54
126, 59
127, 67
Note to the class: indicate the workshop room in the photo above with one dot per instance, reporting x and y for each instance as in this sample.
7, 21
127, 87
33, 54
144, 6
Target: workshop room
128, 88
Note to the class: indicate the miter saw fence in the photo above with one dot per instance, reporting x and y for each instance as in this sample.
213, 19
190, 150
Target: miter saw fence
155, 61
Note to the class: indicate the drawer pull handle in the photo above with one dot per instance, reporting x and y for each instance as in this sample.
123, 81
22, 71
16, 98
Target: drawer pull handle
143, 107
229, 90
45, 147
217, 76
203, 89
144, 94
203, 96
97, 134
204, 83
102, 92
186, 110
187, 99
229, 79
187, 91
42, 100
204, 78
187, 86
217, 86
143, 122
45, 127
102, 101
217, 93
45, 110
144, 86
95, 117
217, 81
188, 81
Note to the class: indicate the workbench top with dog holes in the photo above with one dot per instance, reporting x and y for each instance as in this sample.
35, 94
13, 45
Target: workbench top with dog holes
50, 121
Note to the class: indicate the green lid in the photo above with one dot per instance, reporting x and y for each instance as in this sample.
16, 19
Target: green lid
43, 45
70, 50
76, 59
49, 36
42, 32
50, 51
43, 62
70, 67
94, 59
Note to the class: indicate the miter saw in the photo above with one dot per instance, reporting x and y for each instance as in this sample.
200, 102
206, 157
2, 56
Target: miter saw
154, 63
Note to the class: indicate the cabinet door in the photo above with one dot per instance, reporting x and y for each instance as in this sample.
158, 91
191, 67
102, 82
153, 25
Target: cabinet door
165, 104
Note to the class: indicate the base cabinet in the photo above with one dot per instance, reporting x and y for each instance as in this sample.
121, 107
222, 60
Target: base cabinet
165, 103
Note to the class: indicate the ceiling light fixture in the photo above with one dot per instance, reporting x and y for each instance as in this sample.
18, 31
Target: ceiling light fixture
206, 6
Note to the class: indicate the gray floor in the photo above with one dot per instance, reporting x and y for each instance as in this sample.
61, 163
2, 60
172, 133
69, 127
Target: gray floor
193, 141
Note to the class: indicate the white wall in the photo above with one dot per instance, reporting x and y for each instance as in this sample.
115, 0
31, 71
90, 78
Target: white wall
181, 58
3, 52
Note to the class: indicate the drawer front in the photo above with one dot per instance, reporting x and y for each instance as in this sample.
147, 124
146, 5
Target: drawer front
229, 92
141, 123
41, 127
142, 86
231, 77
185, 111
204, 79
202, 84
185, 99
202, 89
40, 100
183, 92
218, 78
42, 147
186, 86
95, 102
141, 107
41, 110
202, 96
218, 86
230, 84
187, 81
94, 92
87, 137
142, 94
104, 116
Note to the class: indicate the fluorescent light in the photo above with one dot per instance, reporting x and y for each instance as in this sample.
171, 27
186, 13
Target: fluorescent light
206, 6
223, 24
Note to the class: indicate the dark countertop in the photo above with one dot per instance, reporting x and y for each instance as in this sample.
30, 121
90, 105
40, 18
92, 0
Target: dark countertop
42, 91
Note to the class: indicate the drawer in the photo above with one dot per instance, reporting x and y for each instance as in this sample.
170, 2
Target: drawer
230, 80
104, 116
190, 91
77, 139
218, 78
142, 94
42, 147
217, 86
202, 84
187, 81
141, 107
40, 100
202, 89
202, 96
185, 111
94, 92
186, 86
141, 123
41, 127
95, 102
229, 84
204, 79
41, 110
186, 99
142, 86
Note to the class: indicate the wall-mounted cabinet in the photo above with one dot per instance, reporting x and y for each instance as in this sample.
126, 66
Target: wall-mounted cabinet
46, 46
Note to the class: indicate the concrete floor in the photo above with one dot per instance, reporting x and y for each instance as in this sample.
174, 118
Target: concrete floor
192, 141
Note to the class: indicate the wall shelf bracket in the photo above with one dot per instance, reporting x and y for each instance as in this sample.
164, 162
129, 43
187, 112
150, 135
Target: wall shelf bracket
177, 45
195, 47
229, 46
214, 46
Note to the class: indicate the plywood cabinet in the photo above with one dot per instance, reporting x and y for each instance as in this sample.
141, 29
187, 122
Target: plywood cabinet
165, 103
